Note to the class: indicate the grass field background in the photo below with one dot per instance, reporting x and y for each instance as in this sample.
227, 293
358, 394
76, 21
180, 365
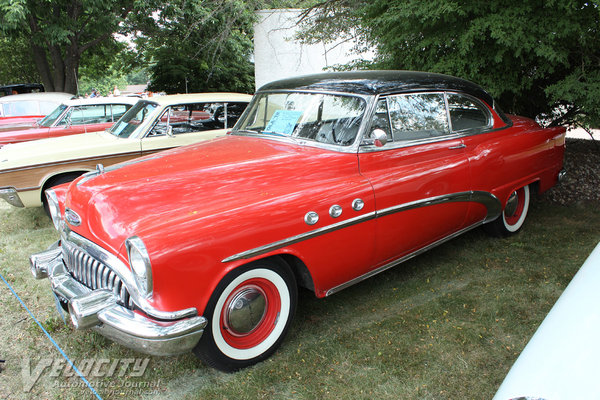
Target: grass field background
445, 325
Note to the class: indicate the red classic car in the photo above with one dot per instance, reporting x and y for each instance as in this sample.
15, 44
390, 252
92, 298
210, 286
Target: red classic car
71, 118
325, 180
27, 108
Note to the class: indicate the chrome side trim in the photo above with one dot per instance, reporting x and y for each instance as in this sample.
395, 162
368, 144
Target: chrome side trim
491, 202
301, 237
67, 162
401, 259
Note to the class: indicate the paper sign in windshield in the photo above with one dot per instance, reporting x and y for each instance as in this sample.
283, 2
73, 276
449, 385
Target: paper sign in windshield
283, 122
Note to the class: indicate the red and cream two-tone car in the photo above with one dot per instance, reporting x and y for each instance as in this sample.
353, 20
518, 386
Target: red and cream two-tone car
325, 180
72, 117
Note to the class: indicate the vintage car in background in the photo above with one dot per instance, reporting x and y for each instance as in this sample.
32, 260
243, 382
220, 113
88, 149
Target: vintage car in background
21, 109
561, 359
18, 88
325, 180
70, 118
158, 123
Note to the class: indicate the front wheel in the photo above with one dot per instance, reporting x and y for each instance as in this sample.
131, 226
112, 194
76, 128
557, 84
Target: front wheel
513, 216
249, 314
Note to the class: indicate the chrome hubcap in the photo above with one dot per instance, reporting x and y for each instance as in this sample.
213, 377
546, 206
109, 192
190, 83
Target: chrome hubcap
511, 205
245, 311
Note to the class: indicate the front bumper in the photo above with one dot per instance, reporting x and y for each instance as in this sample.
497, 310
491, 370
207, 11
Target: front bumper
98, 309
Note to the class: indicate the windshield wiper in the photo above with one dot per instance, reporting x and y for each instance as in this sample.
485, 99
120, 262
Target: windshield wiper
246, 131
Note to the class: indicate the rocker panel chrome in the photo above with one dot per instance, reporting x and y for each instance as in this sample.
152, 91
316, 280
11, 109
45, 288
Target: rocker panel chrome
491, 202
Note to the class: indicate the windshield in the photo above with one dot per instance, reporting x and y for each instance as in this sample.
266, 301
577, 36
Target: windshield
20, 108
323, 118
49, 120
133, 118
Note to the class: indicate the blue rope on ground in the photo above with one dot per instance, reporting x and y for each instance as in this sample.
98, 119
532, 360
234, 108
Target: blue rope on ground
52, 340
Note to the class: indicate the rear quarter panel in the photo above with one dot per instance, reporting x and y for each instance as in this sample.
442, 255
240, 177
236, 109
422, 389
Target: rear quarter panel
506, 159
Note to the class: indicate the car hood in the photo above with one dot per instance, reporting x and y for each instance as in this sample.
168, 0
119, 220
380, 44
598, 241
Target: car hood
58, 149
198, 185
22, 133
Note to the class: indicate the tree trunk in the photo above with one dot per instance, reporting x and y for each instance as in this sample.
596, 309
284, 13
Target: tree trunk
41, 63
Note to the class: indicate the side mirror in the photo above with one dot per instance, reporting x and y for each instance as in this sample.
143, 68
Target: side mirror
379, 137
169, 131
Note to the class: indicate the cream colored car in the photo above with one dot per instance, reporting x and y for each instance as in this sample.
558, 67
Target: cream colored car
151, 125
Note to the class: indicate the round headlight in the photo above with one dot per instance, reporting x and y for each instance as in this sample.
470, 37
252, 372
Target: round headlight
139, 261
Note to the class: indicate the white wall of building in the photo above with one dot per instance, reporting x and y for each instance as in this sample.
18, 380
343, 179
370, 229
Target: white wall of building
278, 55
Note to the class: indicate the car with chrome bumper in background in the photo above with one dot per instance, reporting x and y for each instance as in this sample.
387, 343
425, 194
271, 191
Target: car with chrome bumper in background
70, 118
325, 180
152, 125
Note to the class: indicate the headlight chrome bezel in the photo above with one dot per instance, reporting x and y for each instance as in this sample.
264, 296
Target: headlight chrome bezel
139, 262
53, 207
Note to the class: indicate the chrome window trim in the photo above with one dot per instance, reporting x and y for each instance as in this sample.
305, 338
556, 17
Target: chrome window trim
138, 133
471, 131
123, 271
491, 202
59, 118
393, 144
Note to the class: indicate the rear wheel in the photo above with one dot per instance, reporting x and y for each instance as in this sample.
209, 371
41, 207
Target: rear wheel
513, 216
249, 314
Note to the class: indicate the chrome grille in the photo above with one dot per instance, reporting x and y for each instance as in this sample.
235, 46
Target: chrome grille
93, 274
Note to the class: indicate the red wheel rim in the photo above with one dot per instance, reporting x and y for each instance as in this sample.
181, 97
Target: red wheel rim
251, 327
513, 218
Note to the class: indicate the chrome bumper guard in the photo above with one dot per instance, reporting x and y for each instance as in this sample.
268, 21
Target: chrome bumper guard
11, 196
98, 309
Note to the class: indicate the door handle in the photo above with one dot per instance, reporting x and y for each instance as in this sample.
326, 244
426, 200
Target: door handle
458, 146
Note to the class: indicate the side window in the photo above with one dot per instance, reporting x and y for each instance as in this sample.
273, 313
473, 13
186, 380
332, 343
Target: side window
381, 119
74, 116
234, 112
118, 110
186, 118
96, 114
467, 114
418, 116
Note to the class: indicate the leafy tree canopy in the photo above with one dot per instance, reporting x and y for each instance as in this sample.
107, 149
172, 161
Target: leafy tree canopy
61, 33
537, 57
200, 46
16, 65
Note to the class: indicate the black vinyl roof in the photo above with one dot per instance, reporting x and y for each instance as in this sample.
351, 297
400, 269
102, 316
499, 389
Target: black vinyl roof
379, 82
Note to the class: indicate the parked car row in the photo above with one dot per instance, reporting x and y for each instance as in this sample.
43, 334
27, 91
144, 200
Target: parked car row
150, 125
325, 180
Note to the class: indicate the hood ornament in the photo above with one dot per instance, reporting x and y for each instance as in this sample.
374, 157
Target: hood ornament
100, 168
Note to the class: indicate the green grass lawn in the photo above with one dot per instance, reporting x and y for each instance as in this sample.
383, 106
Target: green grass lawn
445, 325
